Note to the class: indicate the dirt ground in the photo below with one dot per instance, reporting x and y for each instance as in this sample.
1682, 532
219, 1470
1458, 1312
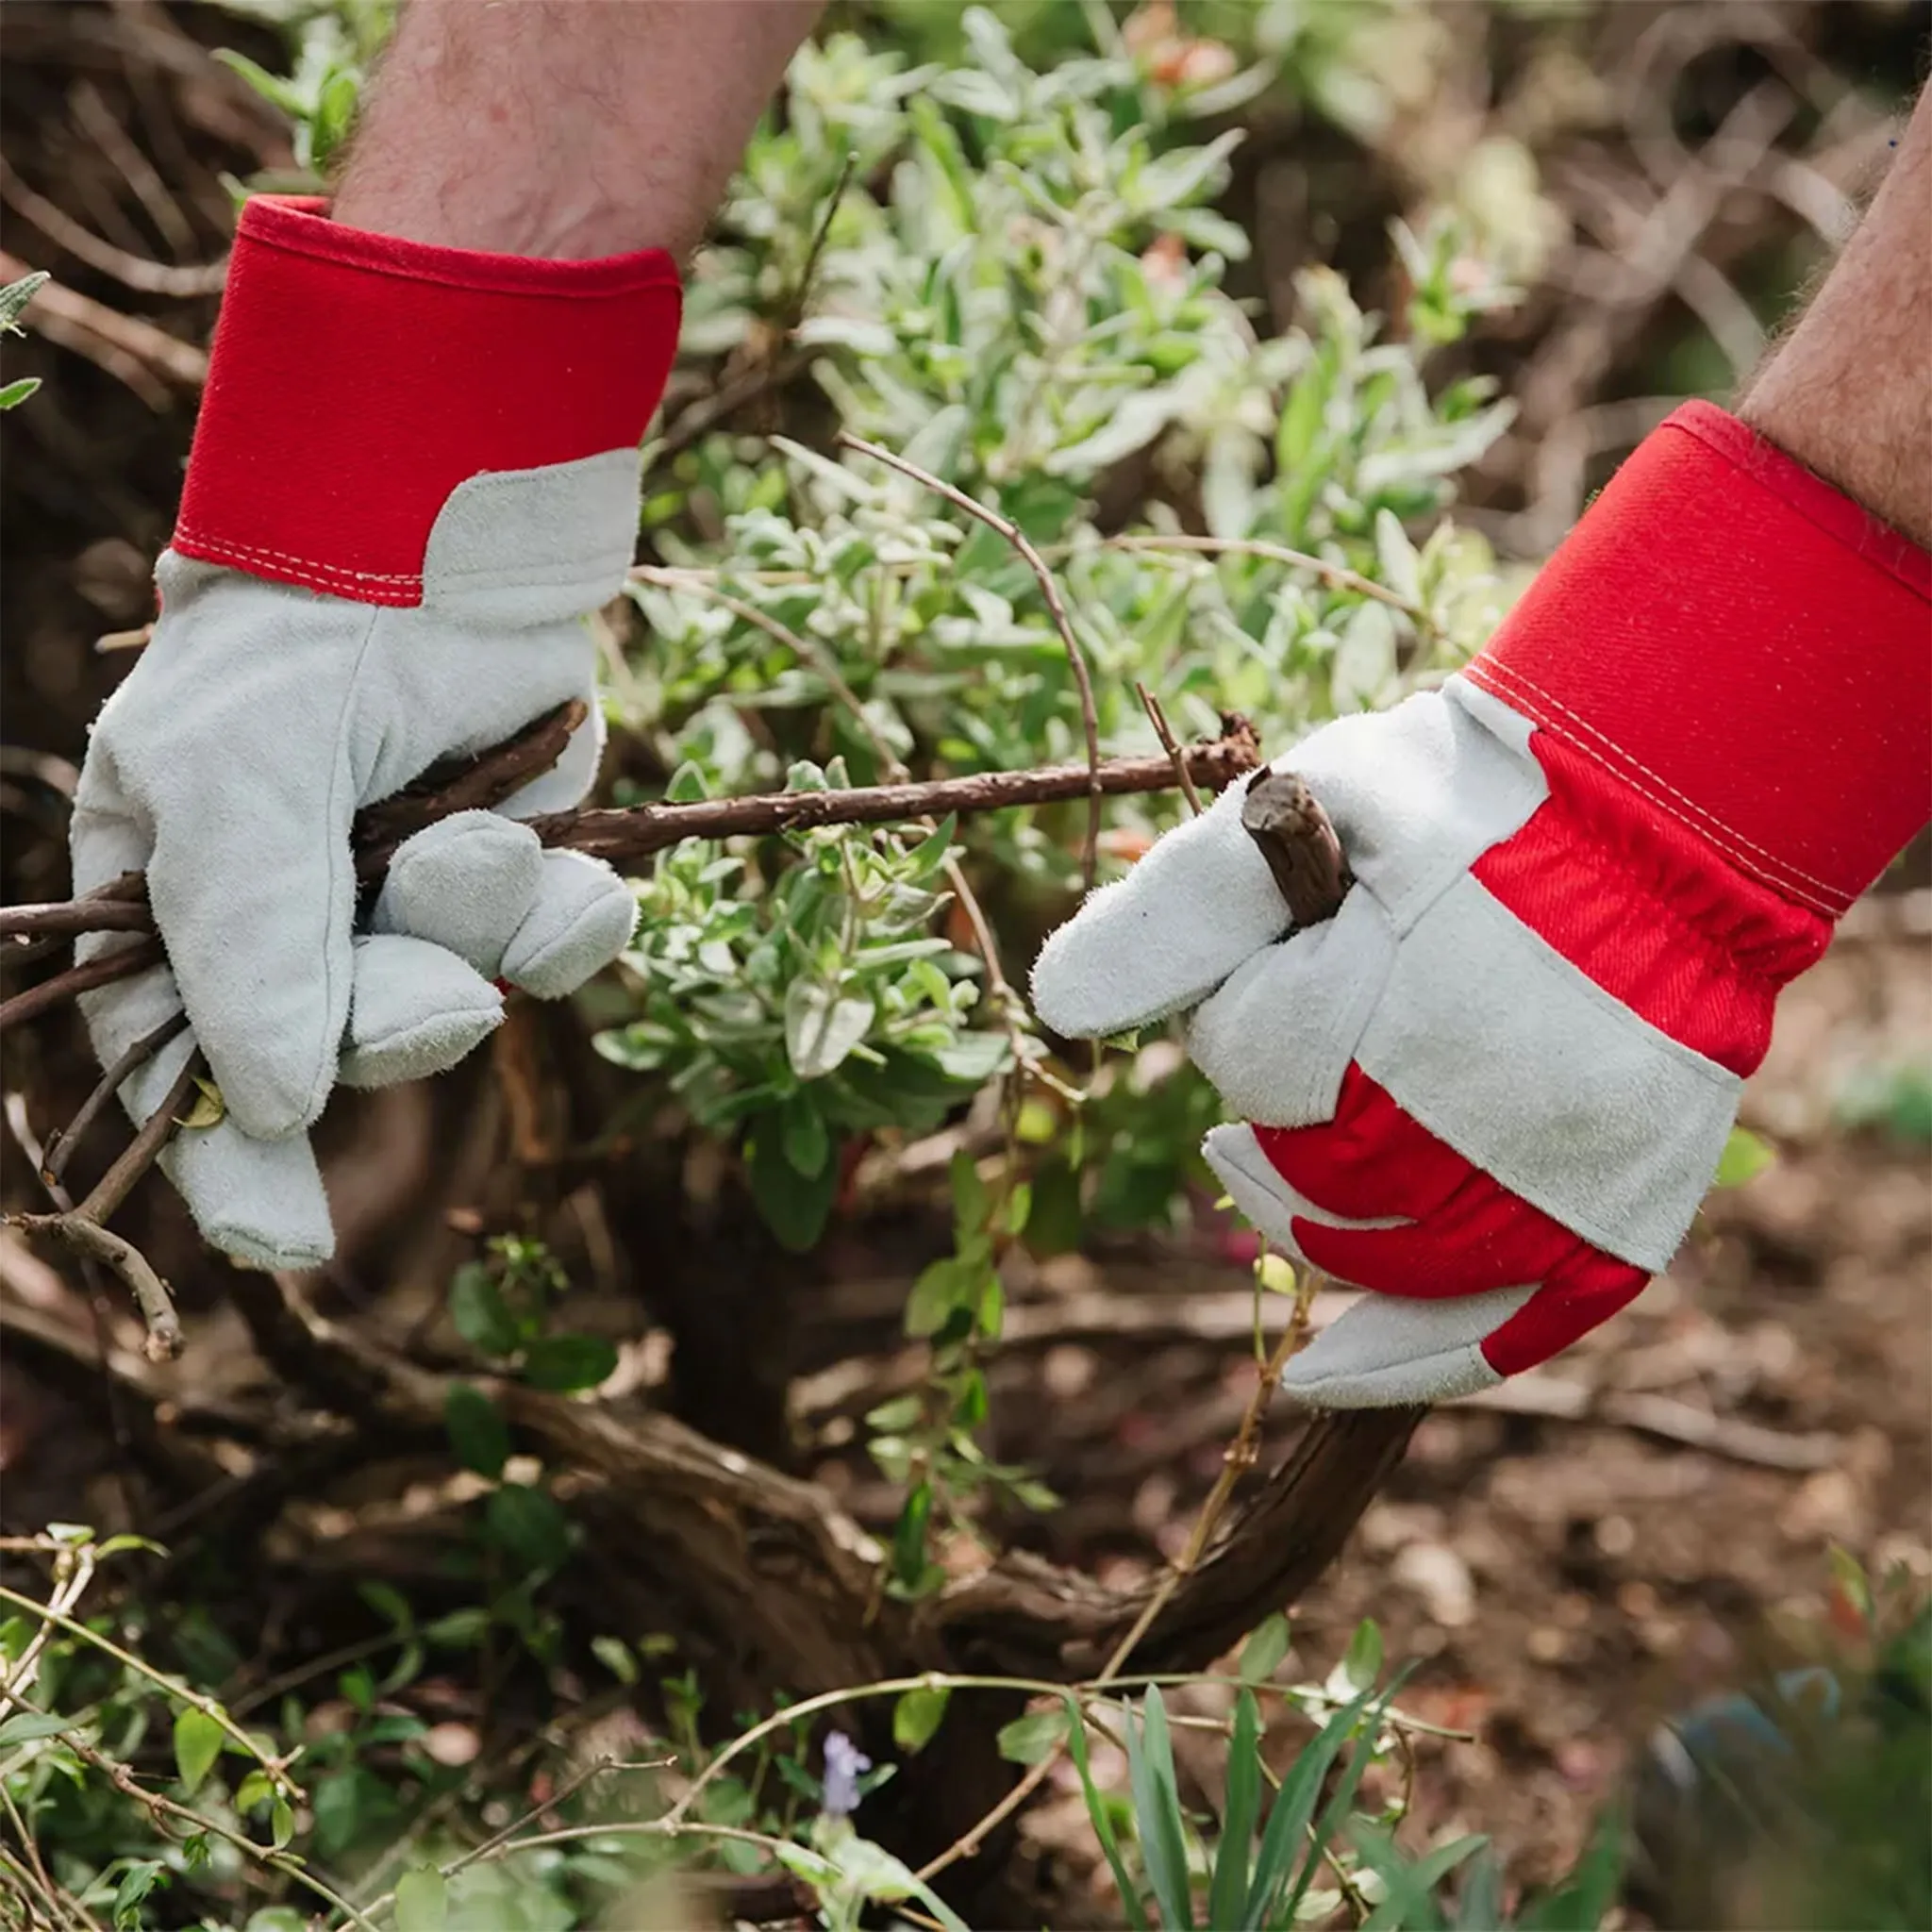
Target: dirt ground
1568, 1582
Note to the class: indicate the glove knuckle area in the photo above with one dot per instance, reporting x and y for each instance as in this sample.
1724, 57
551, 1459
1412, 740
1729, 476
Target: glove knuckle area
261, 1201
416, 1009
1277, 1039
1161, 939
583, 917
465, 883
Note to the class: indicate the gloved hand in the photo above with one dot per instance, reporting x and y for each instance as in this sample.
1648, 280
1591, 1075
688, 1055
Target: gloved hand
414, 476
1496, 1087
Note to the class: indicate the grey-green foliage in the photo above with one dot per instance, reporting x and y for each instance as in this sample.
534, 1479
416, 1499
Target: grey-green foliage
14, 298
1020, 289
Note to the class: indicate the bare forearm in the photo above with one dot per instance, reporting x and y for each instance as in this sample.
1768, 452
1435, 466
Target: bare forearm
565, 129
1850, 393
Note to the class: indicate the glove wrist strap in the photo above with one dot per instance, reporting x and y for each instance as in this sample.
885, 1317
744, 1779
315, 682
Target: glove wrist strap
1744, 648
358, 379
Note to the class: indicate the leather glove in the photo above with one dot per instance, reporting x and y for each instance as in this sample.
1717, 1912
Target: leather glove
414, 476
1493, 1089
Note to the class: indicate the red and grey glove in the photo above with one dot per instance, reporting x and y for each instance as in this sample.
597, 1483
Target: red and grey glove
414, 476
1496, 1087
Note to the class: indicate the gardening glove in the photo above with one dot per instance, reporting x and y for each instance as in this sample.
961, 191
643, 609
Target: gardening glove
414, 478
1493, 1089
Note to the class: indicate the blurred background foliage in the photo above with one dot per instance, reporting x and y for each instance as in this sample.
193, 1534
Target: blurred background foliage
1294, 334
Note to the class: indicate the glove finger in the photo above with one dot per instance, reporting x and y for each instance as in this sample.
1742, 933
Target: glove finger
582, 918
1372, 1158
1162, 939
1483, 1237
1277, 1039
417, 1010
254, 891
567, 781
465, 883
260, 1201
1387, 1351
1582, 1293
1263, 1198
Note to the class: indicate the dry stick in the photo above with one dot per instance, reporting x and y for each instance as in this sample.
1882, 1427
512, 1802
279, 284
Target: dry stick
1338, 574
1293, 833
1237, 1460
1157, 718
122, 963
634, 832
1089, 721
83, 1227
149, 277
60, 1148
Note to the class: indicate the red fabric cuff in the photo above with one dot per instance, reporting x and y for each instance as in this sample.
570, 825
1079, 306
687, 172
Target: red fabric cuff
1744, 647
358, 378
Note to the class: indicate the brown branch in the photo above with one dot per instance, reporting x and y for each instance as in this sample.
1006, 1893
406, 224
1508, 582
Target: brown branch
646, 828
60, 1148
1049, 589
1162, 730
122, 963
149, 277
126, 347
637, 831
83, 1227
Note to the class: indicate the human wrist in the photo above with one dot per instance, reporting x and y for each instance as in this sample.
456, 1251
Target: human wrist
1743, 648
358, 380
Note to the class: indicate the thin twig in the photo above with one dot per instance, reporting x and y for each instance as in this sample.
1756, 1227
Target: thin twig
160, 1806
1050, 589
626, 834
1238, 1459
60, 1148
1338, 574
63, 315
83, 1227
1157, 718
149, 277
122, 963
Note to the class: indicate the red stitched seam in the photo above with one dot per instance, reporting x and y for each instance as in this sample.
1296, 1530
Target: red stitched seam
1751, 857
317, 577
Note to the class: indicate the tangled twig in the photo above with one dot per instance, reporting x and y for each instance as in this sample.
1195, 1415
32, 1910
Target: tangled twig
121, 906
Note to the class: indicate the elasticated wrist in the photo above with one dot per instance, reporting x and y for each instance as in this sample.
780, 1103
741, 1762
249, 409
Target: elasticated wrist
356, 379
1745, 649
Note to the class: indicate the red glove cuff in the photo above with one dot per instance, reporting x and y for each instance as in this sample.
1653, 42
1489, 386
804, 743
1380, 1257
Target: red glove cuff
356, 379
1746, 649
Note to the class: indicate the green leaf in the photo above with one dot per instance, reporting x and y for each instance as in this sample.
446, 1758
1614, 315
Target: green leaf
197, 1744
1261, 1654
1036, 1736
1362, 1664
916, 1716
477, 1432
1409, 1897
142, 1878
527, 1524
795, 1207
1100, 1817
802, 1128
908, 1534
16, 392
569, 1361
1229, 1884
1288, 1819
476, 1308
970, 1200
16, 296
1157, 1811
281, 1824
421, 1901
822, 1027
254, 1790
1275, 1274
24, 1726
1745, 1156
614, 1654
943, 1286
